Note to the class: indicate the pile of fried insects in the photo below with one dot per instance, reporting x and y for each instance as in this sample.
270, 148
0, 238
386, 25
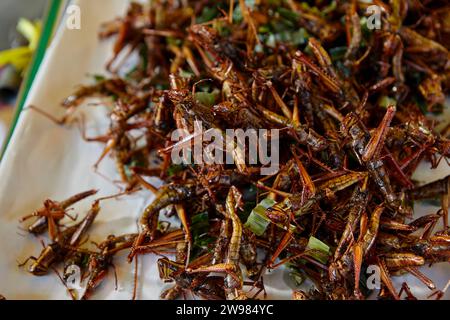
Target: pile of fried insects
354, 92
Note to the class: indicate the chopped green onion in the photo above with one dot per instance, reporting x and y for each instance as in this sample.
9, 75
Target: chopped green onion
208, 13
288, 14
271, 41
200, 220
386, 101
338, 53
174, 169
186, 74
295, 38
208, 99
173, 41
319, 250
297, 277
250, 4
264, 29
237, 14
98, 77
257, 221
200, 236
328, 9
312, 9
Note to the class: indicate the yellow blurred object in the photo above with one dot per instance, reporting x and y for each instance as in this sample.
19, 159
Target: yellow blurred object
18, 57
21, 56
31, 31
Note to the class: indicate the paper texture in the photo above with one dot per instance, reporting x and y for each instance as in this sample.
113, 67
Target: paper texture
48, 161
